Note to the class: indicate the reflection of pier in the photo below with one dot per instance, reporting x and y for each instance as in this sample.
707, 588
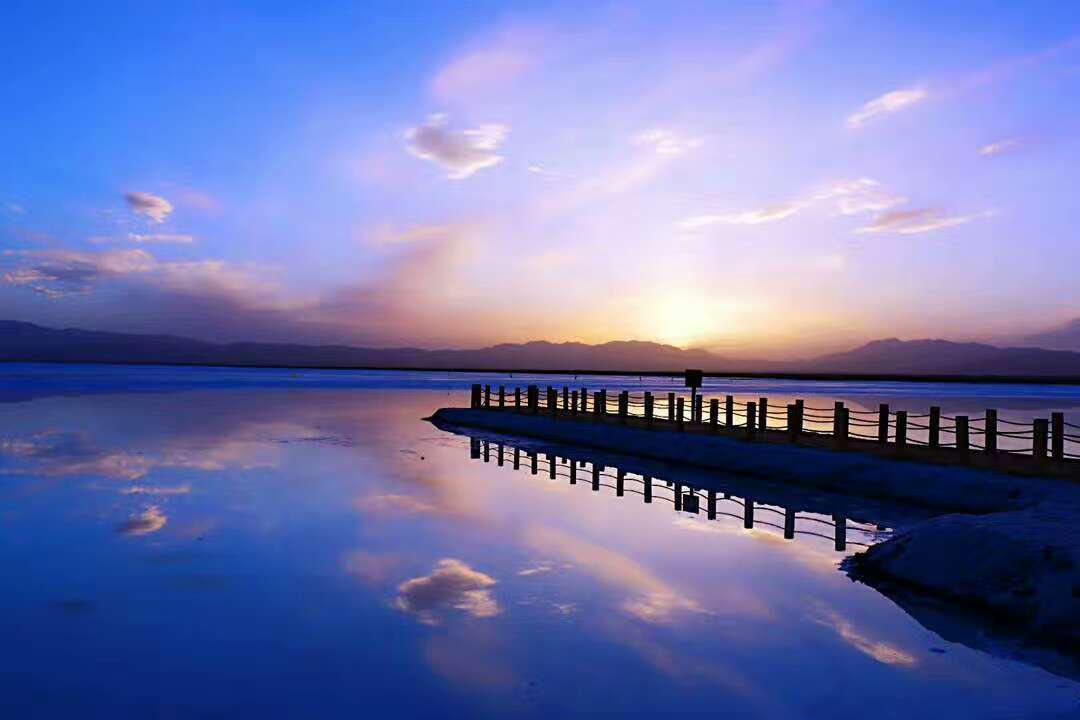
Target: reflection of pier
713, 504
1041, 446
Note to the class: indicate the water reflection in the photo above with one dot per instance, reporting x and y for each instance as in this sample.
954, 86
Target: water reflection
685, 498
291, 552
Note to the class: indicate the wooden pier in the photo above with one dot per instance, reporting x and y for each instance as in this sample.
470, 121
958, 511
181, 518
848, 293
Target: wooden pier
1042, 446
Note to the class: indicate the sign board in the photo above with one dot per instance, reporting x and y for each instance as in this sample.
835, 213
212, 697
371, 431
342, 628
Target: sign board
693, 378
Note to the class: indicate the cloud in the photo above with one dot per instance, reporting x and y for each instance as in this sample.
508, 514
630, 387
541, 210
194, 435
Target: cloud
149, 521
912, 222
460, 153
887, 104
451, 585
156, 490
489, 67
1000, 147
398, 503
161, 238
58, 273
154, 207
667, 142
851, 197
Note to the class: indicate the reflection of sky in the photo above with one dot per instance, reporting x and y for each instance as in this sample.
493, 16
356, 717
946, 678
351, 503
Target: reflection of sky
335, 554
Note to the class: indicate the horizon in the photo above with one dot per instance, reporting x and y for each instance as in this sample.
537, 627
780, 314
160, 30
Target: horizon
419, 176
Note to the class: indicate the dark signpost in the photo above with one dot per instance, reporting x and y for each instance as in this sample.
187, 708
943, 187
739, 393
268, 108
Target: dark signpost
692, 378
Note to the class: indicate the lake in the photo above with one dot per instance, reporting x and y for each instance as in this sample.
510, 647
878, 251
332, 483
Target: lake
182, 542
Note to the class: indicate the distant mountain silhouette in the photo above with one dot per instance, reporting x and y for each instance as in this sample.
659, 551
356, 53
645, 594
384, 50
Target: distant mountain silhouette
942, 357
1063, 337
27, 342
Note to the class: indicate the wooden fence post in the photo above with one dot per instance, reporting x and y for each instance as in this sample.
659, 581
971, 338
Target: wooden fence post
840, 536
748, 514
789, 524
699, 408
573, 473
763, 413
839, 426
990, 444
624, 406
679, 410
671, 407
573, 403
648, 409
517, 458
565, 398
584, 401
714, 413
1041, 426
600, 402
647, 481
1057, 436
596, 477
499, 454
552, 465
533, 462
678, 496
712, 504
901, 429
553, 402
750, 419
934, 433
962, 436
474, 400
729, 411
620, 480
883, 424
474, 448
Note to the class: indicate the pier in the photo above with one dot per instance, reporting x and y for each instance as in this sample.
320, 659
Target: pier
1042, 446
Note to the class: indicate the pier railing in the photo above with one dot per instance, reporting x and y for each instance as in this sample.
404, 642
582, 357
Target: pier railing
712, 504
1048, 441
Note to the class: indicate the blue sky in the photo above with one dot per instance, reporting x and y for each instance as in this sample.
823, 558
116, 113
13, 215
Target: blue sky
770, 178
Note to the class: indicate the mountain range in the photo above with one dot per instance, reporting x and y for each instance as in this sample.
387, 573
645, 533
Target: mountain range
26, 342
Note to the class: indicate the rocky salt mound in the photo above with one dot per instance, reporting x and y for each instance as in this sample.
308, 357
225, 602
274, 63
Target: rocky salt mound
1022, 564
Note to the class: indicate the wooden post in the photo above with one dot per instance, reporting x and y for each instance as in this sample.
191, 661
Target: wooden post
678, 495
474, 401
573, 403
793, 422
750, 419
748, 513
699, 409
789, 524
573, 473
648, 488
499, 454
552, 465
901, 429
839, 424
600, 402
690, 501
596, 477
990, 435
584, 401
712, 504
763, 413
671, 407
553, 402
648, 409
534, 399
502, 396
517, 458
962, 438
517, 399
487, 396
714, 413
679, 410
934, 439
474, 448
565, 398
620, 480
729, 411
840, 536
1041, 427
1057, 436
883, 424
624, 406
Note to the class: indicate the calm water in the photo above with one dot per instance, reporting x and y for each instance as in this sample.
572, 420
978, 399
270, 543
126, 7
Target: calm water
211, 543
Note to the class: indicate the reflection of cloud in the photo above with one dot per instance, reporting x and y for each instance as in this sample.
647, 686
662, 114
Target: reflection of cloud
659, 607
156, 490
1000, 147
161, 238
911, 222
538, 568
156, 208
392, 502
887, 104
460, 153
452, 584
881, 651
149, 521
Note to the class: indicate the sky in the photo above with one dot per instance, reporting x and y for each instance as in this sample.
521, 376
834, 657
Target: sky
764, 179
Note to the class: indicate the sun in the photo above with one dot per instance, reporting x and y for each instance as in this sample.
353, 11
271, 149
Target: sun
688, 320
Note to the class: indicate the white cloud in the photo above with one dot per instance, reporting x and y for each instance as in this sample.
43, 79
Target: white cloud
911, 222
452, 584
667, 142
461, 153
1000, 147
149, 521
887, 104
154, 207
161, 238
